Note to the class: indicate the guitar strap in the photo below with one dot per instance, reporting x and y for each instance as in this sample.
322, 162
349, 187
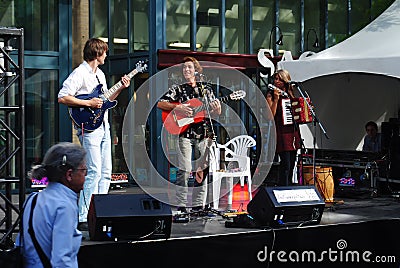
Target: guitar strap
45, 260
190, 92
98, 80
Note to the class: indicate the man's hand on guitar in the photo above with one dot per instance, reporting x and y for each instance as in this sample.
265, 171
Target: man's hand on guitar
184, 108
215, 107
99, 99
95, 103
126, 81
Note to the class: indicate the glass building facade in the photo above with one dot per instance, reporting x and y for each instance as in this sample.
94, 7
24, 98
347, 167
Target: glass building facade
136, 29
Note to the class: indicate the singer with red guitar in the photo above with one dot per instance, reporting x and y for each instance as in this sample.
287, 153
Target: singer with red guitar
194, 139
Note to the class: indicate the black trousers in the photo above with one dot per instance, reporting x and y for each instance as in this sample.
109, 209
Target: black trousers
286, 166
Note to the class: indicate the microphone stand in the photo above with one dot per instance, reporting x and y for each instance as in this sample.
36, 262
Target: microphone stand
208, 114
315, 121
299, 159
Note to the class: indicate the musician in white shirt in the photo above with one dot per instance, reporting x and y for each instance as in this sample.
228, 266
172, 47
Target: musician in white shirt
288, 139
97, 143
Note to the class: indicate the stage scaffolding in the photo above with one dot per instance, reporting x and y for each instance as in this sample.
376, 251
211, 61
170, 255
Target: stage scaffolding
12, 132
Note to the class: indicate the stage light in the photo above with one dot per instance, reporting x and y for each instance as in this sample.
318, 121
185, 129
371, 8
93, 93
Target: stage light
280, 39
316, 43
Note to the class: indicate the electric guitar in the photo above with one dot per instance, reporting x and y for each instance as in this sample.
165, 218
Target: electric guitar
176, 122
91, 118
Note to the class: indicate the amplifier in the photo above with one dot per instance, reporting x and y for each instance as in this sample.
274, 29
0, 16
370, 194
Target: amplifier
129, 217
286, 205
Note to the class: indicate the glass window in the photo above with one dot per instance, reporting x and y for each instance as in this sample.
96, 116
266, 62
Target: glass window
208, 25
262, 16
119, 22
138, 36
360, 15
311, 24
337, 22
140, 26
39, 20
117, 118
379, 6
289, 23
235, 26
40, 107
178, 24
100, 19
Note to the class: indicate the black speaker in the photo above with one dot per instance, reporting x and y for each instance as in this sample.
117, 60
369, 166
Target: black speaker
286, 205
128, 217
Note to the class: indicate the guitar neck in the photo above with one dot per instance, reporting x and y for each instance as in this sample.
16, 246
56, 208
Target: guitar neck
225, 98
118, 85
221, 99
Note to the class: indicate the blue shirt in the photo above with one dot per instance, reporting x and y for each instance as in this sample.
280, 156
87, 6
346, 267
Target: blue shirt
55, 221
373, 144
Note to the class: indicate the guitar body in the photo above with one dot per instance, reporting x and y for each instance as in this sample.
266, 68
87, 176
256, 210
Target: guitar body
176, 122
171, 118
90, 118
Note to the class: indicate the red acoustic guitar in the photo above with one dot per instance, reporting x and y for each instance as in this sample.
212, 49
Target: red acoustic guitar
176, 122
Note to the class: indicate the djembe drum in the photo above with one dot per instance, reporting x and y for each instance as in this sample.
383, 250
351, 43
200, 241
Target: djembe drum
324, 181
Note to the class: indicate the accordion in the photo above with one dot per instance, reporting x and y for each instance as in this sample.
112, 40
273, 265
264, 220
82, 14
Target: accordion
297, 110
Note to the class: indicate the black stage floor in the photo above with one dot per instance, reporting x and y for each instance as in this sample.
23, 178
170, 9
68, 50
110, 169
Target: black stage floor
358, 231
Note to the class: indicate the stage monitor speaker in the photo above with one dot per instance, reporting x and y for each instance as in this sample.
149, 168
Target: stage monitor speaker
286, 206
128, 217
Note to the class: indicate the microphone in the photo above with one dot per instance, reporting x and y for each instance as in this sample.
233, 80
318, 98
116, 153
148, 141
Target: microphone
283, 93
199, 74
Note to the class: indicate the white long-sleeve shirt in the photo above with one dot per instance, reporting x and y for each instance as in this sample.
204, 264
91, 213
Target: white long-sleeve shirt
83, 80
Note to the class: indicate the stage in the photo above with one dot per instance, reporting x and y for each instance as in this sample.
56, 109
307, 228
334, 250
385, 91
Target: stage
361, 231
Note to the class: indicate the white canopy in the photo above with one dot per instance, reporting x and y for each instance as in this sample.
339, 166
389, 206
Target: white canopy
353, 82
374, 49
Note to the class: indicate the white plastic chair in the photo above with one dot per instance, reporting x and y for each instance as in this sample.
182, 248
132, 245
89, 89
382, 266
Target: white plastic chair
235, 151
240, 145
